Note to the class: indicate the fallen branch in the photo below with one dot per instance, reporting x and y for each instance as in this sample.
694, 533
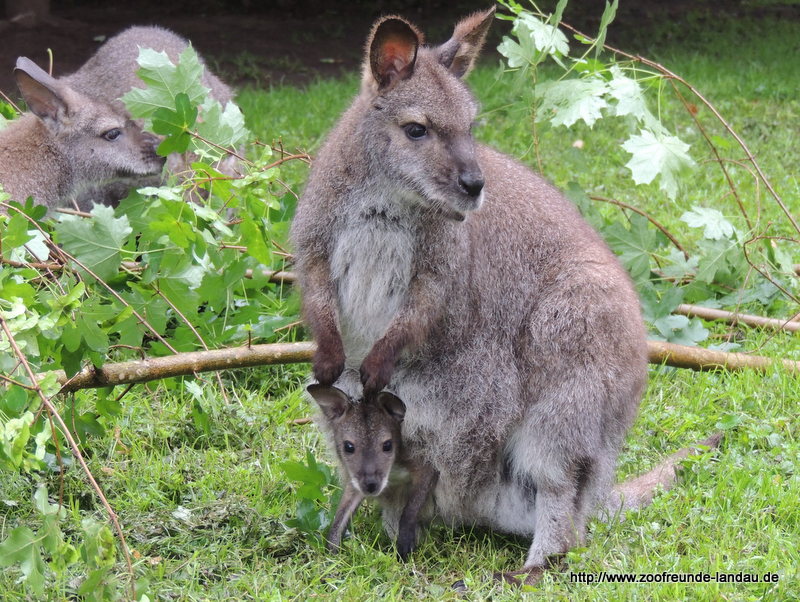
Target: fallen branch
194, 362
707, 313
698, 358
184, 364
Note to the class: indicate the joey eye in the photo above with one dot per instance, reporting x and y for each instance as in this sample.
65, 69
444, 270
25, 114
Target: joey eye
112, 134
415, 131
349, 448
387, 445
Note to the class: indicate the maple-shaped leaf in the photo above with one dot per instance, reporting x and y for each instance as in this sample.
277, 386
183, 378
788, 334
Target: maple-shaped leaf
657, 154
97, 242
536, 40
175, 125
165, 81
628, 94
714, 224
569, 100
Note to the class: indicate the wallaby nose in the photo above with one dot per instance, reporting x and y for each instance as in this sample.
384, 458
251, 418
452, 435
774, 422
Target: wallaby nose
371, 486
471, 182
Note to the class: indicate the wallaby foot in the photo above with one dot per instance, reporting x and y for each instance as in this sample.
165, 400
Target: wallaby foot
422, 483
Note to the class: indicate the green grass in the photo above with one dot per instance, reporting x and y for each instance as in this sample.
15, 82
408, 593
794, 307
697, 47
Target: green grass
205, 510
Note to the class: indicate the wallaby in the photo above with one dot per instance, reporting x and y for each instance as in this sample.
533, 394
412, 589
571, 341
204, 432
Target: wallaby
111, 72
366, 437
68, 142
476, 289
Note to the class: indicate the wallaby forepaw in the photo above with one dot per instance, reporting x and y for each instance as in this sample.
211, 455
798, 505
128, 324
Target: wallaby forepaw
376, 372
404, 548
328, 366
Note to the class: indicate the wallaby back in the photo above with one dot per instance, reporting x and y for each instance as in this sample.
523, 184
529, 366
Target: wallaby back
111, 72
68, 142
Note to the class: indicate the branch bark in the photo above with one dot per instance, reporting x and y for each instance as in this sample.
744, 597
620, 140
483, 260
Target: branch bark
707, 313
698, 358
185, 364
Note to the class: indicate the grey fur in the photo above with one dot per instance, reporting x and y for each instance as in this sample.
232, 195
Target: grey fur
111, 72
366, 438
408, 480
501, 319
62, 146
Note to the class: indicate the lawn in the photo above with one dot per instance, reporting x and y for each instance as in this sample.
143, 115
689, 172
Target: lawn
205, 503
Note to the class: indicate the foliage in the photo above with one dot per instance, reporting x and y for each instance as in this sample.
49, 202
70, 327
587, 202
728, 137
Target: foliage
594, 85
316, 504
155, 275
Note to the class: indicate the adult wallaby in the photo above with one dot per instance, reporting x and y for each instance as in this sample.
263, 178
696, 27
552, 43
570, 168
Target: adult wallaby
501, 319
366, 437
111, 72
68, 142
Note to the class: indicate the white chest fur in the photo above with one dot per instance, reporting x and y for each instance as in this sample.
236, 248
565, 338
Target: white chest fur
371, 268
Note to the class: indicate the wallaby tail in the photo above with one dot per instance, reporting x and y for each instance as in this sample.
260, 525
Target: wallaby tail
638, 492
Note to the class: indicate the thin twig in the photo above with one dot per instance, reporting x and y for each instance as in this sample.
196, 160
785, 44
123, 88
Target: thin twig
649, 218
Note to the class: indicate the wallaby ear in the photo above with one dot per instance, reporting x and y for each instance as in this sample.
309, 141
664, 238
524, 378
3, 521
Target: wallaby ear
392, 404
392, 52
332, 401
43, 94
458, 54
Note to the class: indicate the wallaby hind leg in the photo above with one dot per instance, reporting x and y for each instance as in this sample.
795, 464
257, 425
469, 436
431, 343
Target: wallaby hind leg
422, 483
351, 498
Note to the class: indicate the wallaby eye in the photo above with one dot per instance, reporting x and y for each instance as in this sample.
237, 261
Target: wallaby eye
349, 448
415, 131
387, 445
112, 134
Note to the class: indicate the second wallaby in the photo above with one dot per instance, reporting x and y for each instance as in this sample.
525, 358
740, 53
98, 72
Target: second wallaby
69, 142
366, 437
476, 291
111, 72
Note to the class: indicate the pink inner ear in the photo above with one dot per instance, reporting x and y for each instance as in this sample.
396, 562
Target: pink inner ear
396, 54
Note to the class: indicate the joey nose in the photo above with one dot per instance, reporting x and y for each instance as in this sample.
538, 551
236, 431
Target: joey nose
371, 486
471, 183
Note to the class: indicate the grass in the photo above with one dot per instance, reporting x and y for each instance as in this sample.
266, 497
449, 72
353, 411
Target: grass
205, 509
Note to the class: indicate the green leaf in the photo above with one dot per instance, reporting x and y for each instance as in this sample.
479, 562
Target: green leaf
22, 547
97, 243
253, 238
608, 16
714, 224
570, 100
633, 246
175, 125
657, 155
15, 234
628, 94
165, 81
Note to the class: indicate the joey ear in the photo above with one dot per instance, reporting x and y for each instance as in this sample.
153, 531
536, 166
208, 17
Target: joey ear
392, 51
392, 404
458, 54
332, 401
43, 94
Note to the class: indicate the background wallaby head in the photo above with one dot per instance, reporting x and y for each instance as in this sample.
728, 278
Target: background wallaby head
69, 142
366, 434
432, 153
112, 71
